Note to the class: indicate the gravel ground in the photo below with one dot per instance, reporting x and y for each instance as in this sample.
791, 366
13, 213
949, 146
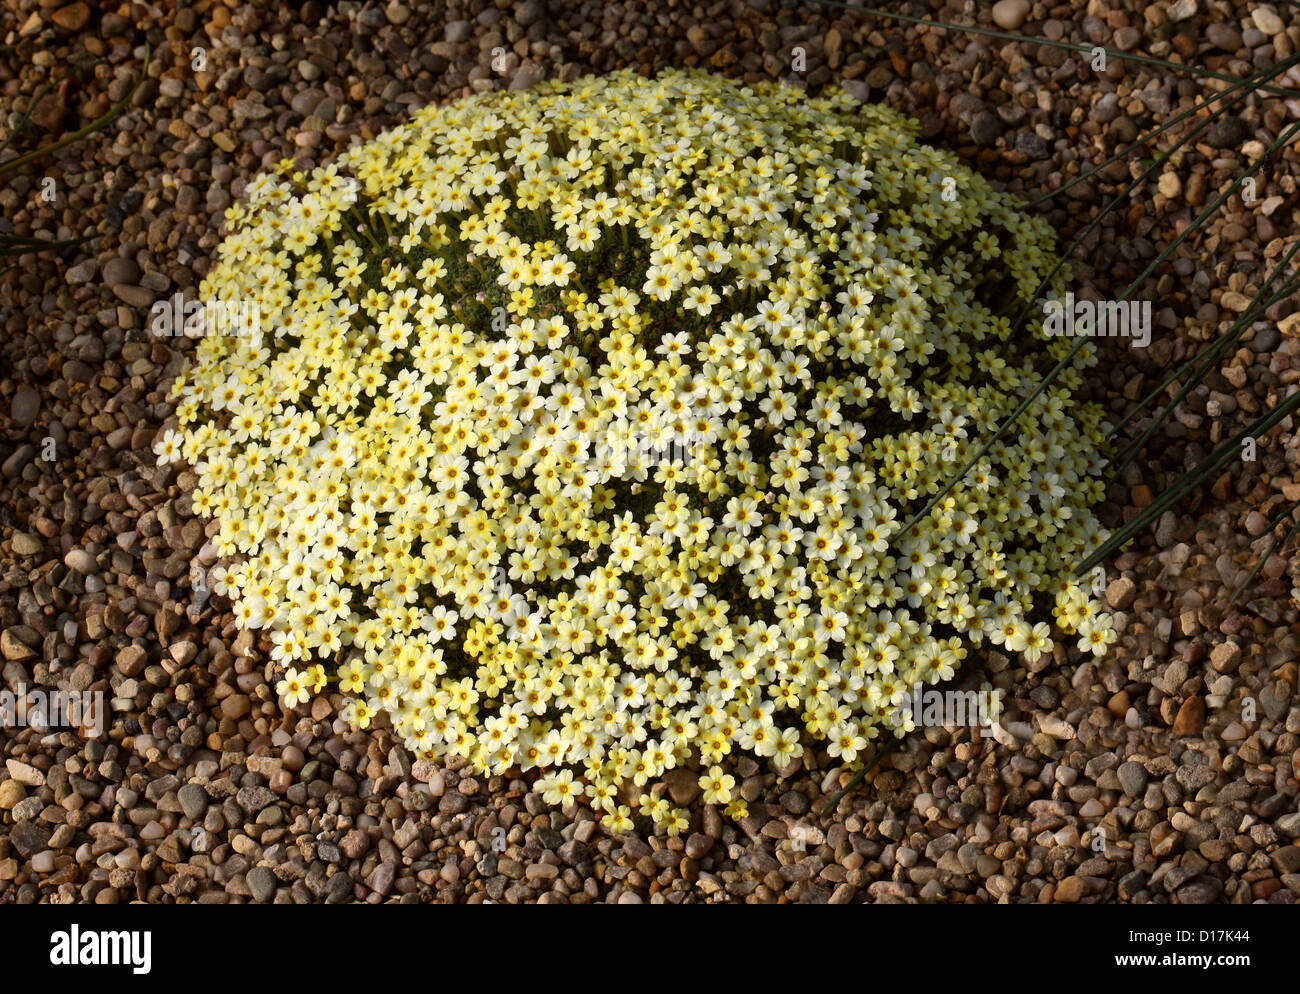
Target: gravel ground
1179, 747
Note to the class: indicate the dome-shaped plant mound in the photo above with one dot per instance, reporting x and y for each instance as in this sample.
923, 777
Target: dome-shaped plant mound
578, 428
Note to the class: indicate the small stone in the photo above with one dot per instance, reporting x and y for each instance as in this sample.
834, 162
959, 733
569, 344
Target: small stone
458, 31
1265, 340
529, 13
1224, 37
1010, 14
1225, 656
43, 862
254, 799
1165, 840
29, 838
1166, 530
1235, 301
11, 792
338, 889
1031, 145
121, 270
261, 881
1191, 717
24, 406
857, 89
1228, 132
1056, 727
1132, 777
1071, 889
1120, 593
381, 878
194, 800
74, 16
25, 773
26, 545
984, 128
81, 561
1205, 891
683, 786
134, 296
1181, 10
1127, 38
83, 272
1266, 19
698, 846
1287, 859
132, 659
355, 843
527, 75
14, 648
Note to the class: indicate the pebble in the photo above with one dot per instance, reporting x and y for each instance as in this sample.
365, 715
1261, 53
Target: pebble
1225, 656
683, 786
25, 544
25, 406
11, 793
1228, 132
261, 882
81, 561
74, 16
1224, 37
984, 128
1010, 14
1071, 889
1191, 717
121, 270
1120, 593
527, 75
1268, 21
1132, 777
1265, 340
83, 272
193, 799
29, 838
131, 660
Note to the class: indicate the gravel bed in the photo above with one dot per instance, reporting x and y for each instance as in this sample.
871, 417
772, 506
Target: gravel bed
1167, 772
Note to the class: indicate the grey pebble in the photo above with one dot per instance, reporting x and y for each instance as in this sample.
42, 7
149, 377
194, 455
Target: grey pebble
261, 881
25, 406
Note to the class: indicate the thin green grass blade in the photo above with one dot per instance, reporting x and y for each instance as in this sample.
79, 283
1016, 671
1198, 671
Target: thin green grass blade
1123, 195
1222, 343
1204, 359
1219, 458
22, 123
1074, 350
1269, 551
8, 248
103, 121
1196, 108
858, 777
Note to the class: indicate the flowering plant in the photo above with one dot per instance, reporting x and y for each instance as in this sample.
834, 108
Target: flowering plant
579, 428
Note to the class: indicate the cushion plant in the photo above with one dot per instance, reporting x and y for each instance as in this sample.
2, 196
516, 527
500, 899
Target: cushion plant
579, 429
